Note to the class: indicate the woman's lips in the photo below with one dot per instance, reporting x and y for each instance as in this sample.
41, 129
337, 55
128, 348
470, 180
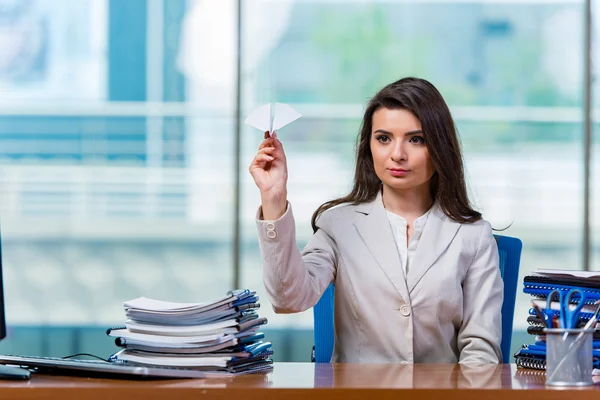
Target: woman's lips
398, 171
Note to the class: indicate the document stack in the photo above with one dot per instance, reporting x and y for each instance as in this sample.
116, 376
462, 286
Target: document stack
539, 286
221, 337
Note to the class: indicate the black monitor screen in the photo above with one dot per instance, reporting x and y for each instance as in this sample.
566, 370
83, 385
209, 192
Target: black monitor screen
2, 321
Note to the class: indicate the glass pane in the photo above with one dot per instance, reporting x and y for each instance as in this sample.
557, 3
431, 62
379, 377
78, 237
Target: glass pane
116, 155
595, 196
595, 149
509, 72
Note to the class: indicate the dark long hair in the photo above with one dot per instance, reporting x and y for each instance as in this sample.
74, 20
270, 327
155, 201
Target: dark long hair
447, 186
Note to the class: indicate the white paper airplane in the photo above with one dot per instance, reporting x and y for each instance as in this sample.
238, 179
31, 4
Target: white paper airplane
272, 117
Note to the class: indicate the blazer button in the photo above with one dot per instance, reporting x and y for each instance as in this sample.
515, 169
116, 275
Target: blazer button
271, 234
404, 310
270, 226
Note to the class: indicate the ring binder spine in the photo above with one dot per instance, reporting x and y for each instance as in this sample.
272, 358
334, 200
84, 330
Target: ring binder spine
540, 289
115, 328
531, 363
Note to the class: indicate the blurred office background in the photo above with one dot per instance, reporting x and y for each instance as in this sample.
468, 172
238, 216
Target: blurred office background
123, 153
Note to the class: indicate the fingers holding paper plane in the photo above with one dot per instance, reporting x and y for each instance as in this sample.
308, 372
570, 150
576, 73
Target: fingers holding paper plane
269, 166
274, 142
269, 171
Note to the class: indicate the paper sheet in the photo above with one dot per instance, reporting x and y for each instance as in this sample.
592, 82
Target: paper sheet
272, 117
568, 272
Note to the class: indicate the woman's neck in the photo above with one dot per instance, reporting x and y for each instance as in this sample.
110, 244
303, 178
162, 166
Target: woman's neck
410, 204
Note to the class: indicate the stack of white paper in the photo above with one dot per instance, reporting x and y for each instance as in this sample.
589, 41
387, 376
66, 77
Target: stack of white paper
219, 336
593, 275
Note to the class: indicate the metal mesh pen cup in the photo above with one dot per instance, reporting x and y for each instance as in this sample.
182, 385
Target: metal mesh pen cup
569, 357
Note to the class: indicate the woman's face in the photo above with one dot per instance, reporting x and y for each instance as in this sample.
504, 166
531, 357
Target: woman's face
400, 156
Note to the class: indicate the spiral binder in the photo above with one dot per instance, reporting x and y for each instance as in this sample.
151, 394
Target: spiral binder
531, 362
534, 356
541, 286
540, 363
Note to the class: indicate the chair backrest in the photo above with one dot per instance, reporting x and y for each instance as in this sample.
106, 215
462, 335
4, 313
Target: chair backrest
509, 251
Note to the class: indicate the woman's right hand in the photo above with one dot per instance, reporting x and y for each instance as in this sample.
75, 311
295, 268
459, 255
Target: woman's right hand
269, 170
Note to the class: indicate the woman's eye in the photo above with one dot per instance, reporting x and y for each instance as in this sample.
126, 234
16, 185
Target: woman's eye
417, 139
383, 139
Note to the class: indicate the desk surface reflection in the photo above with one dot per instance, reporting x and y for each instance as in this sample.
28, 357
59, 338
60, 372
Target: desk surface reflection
292, 381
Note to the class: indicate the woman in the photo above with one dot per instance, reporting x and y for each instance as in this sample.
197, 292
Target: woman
415, 267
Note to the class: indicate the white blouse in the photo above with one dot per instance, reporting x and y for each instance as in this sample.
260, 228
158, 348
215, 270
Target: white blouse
400, 229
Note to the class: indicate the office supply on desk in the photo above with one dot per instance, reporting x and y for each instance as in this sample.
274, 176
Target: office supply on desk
542, 317
548, 317
539, 286
594, 318
14, 373
573, 302
96, 368
585, 313
509, 252
219, 337
569, 357
551, 287
568, 314
568, 273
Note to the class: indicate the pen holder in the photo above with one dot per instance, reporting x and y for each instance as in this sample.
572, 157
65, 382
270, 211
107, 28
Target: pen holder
569, 357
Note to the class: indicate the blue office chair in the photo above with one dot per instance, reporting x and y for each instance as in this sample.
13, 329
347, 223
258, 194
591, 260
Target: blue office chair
509, 251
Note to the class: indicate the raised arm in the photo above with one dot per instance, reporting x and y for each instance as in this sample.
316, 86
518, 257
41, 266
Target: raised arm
294, 281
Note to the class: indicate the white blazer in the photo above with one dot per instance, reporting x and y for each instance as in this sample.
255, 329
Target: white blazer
446, 310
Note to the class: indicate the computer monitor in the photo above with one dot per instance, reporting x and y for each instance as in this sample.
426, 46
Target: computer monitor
2, 318
5, 371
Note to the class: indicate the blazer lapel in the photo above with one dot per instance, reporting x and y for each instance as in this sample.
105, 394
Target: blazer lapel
374, 228
436, 237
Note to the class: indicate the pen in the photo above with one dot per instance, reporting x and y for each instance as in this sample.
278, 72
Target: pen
592, 322
540, 315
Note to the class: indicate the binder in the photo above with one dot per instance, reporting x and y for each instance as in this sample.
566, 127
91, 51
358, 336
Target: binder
531, 362
539, 363
533, 356
541, 286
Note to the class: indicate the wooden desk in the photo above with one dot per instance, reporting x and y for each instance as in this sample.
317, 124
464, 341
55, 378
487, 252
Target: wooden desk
291, 381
